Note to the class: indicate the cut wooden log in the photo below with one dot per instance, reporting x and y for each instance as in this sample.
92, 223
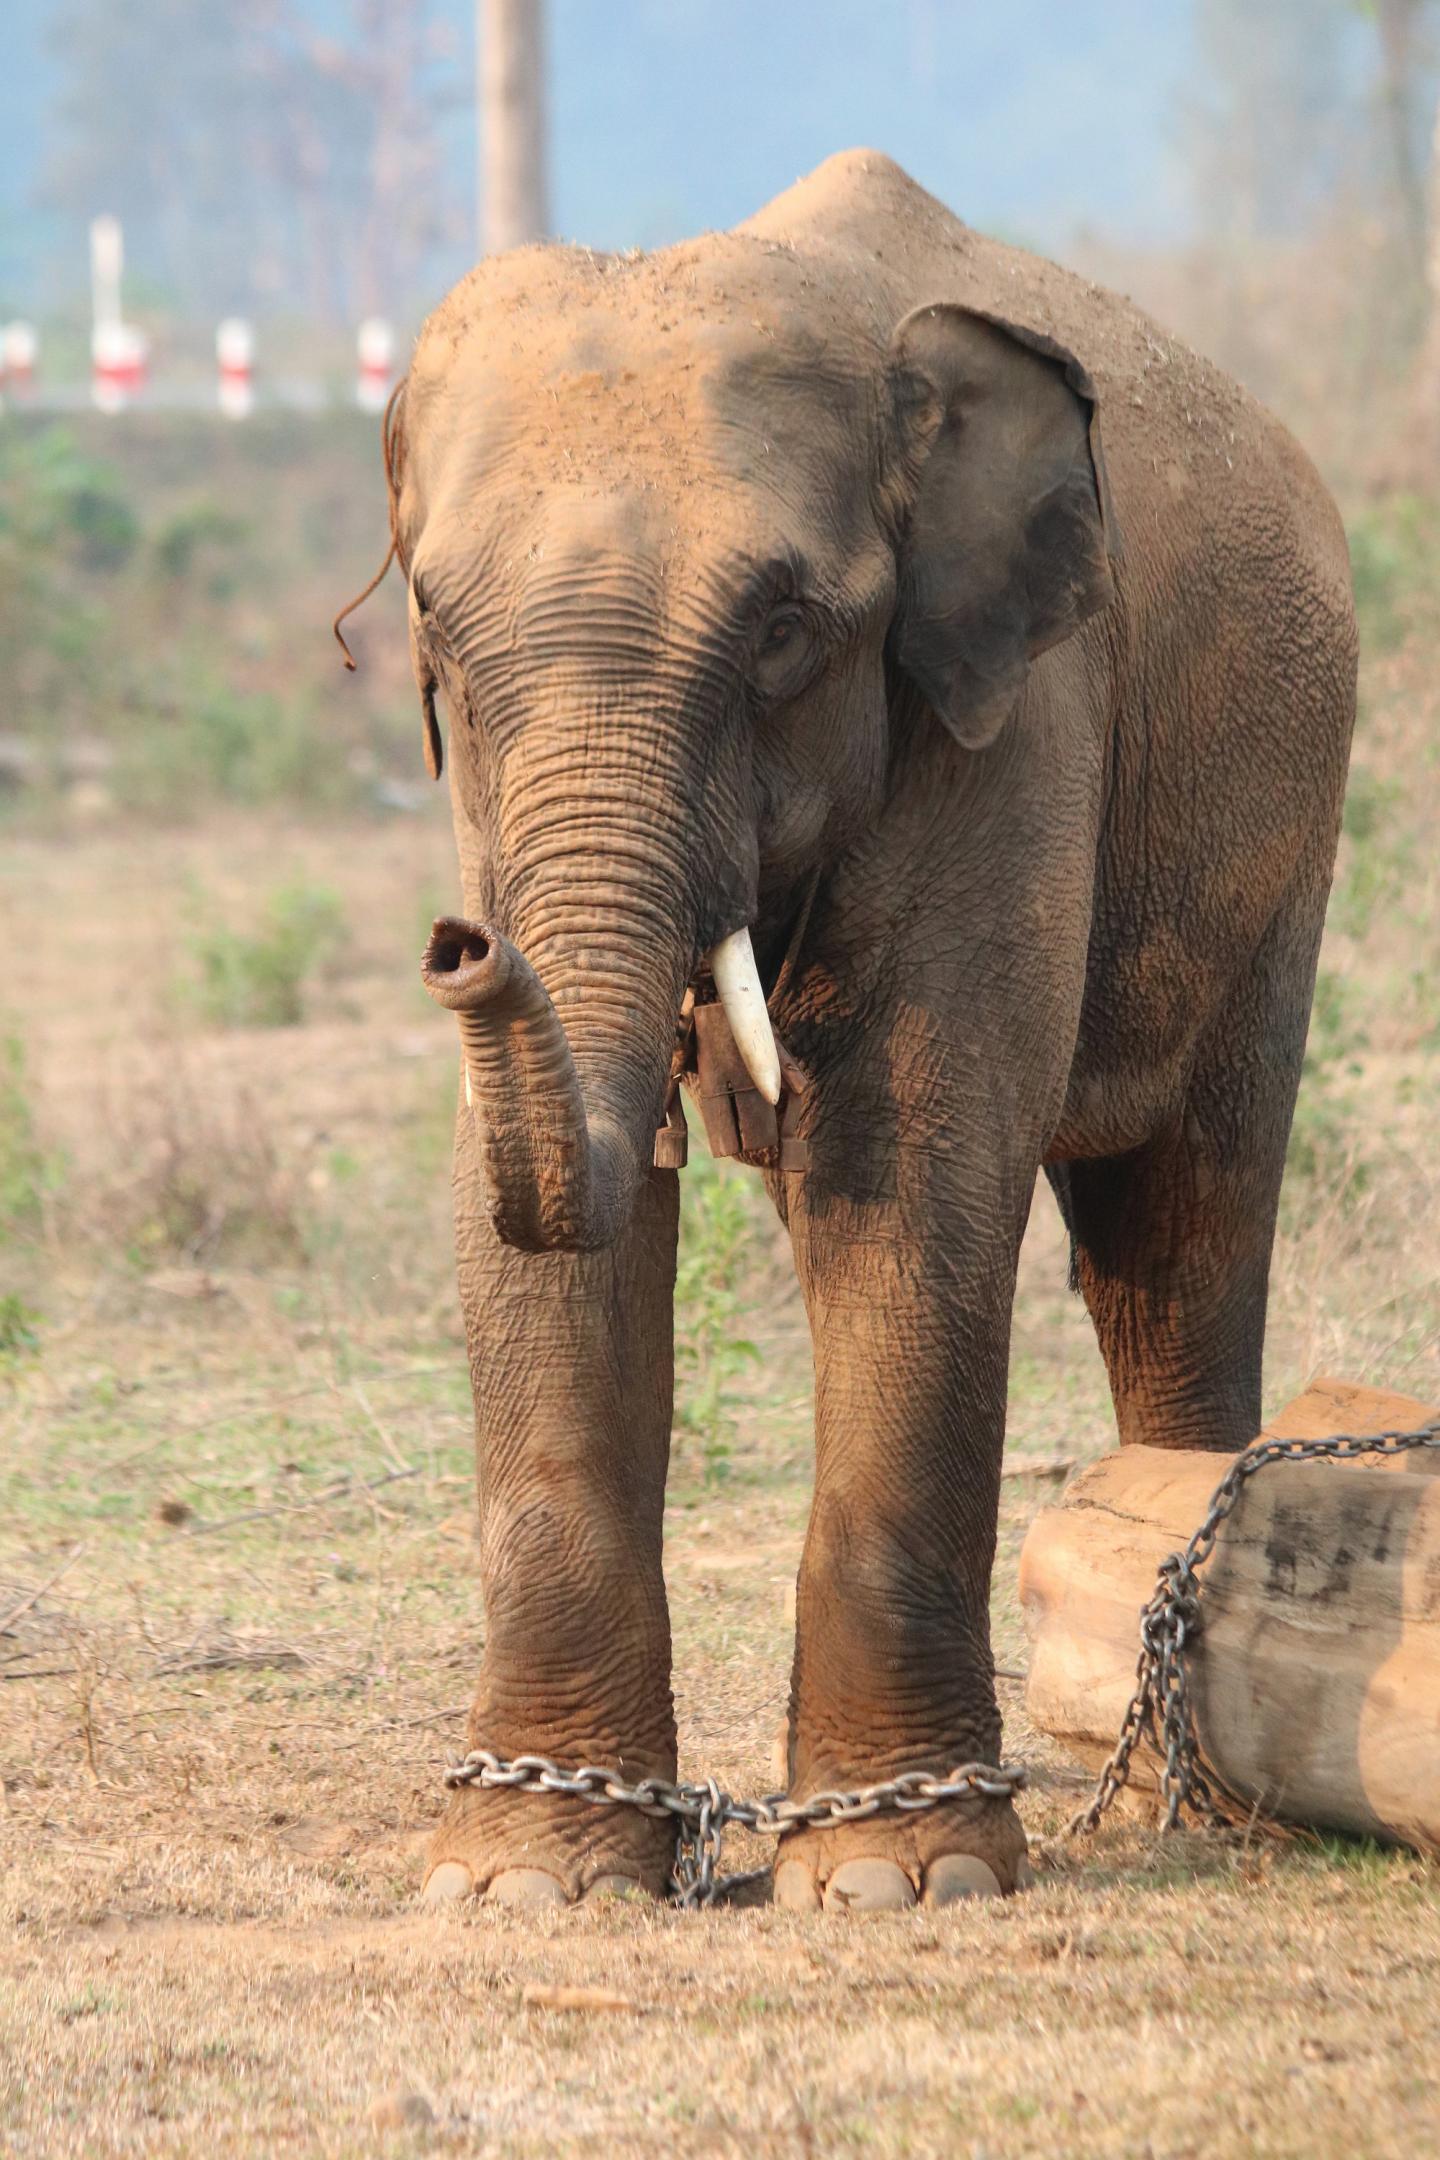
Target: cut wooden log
1317, 1671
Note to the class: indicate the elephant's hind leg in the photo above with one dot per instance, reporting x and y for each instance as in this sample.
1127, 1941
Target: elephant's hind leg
1172, 1242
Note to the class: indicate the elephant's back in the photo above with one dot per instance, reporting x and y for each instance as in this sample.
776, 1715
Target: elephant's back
1193, 458
896, 246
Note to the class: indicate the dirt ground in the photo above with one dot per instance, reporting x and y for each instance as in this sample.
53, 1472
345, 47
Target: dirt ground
239, 1623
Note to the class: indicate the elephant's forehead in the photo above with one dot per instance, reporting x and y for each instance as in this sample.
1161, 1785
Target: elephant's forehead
667, 377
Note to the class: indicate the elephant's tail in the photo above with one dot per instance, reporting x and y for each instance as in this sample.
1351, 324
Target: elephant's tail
1059, 1176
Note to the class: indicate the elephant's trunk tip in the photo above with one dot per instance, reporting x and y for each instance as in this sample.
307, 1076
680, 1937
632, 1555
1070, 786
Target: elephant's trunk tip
463, 964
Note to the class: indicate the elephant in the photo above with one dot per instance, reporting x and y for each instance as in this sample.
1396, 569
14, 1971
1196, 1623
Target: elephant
910, 640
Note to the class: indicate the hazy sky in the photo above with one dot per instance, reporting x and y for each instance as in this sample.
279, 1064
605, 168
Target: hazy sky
1034, 115
1031, 117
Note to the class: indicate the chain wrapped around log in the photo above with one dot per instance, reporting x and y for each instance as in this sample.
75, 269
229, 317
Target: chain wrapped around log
1289, 1652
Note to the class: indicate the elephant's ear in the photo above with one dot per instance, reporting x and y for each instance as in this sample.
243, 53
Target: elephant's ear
427, 685
393, 446
1007, 543
392, 450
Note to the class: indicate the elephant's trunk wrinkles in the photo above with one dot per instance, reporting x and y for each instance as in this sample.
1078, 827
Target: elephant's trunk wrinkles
557, 1179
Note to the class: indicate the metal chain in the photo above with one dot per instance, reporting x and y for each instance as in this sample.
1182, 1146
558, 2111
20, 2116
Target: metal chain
1161, 1711
704, 1810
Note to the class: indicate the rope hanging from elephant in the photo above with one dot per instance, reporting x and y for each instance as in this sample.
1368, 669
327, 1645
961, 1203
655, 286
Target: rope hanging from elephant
390, 451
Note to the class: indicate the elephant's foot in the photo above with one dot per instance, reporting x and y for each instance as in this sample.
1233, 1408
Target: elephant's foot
941, 1857
538, 1849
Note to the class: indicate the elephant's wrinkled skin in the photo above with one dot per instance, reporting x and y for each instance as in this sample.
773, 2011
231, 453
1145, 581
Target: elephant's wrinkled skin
791, 550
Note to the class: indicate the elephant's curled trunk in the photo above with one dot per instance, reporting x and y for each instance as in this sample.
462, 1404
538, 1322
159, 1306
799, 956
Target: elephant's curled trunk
557, 1178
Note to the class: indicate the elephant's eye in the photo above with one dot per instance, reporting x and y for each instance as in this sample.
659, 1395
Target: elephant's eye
783, 649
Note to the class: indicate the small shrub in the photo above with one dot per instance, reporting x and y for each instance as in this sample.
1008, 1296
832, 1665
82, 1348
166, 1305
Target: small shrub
1394, 561
258, 978
28, 1174
192, 1171
19, 1332
717, 1236
216, 744
79, 505
199, 534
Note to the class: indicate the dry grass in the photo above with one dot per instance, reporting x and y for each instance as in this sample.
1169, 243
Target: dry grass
237, 1474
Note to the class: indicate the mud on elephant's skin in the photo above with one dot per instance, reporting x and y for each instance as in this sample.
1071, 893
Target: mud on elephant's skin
786, 568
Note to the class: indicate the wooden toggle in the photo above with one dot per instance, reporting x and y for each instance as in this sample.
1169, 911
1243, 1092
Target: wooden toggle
739, 1123
672, 1141
737, 1118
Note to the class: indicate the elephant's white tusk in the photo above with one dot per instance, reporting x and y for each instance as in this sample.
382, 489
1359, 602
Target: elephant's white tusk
732, 963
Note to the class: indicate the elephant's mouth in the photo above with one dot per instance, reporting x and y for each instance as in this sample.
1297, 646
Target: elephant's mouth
560, 1175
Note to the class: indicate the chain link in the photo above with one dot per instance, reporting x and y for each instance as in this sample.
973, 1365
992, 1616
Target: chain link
703, 1811
1161, 1713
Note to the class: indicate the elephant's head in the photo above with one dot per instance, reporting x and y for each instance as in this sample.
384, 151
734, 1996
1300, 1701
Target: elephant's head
675, 528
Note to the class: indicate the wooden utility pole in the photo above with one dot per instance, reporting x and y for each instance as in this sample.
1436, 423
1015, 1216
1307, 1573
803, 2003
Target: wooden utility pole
1399, 25
1426, 388
511, 80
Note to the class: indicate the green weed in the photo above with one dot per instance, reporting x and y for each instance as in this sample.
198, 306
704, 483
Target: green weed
28, 1173
1377, 852
717, 1236
257, 978
1323, 1159
1362, 1856
19, 1331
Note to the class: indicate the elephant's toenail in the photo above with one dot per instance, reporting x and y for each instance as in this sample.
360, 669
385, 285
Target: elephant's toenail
447, 1882
956, 1876
530, 1886
868, 1886
794, 1887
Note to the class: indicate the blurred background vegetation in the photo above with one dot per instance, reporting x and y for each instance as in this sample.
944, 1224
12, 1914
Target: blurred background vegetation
165, 591
220, 852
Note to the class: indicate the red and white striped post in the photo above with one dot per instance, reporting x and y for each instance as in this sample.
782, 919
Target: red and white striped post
375, 363
118, 350
235, 359
19, 354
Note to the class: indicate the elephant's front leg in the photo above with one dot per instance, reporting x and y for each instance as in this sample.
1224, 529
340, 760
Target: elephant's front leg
571, 1360
908, 1265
